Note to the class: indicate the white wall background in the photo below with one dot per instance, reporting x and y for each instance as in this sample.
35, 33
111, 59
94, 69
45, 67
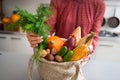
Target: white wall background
30, 5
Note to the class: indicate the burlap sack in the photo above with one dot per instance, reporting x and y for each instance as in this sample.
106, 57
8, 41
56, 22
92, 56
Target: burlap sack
49, 70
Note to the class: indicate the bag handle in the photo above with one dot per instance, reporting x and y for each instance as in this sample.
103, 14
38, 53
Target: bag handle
30, 66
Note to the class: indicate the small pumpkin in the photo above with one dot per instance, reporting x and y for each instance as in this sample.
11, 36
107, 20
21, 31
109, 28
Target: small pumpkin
15, 17
6, 20
55, 42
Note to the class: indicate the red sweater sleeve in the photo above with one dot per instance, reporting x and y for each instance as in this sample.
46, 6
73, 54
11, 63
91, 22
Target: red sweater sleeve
53, 18
99, 13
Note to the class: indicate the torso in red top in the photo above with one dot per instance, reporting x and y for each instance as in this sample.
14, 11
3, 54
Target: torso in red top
69, 14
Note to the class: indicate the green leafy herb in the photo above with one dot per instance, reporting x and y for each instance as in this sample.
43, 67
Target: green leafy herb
35, 23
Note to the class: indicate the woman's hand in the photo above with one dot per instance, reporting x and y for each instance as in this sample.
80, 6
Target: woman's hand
89, 49
33, 39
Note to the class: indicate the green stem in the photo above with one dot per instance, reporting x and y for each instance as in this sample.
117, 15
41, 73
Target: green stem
37, 56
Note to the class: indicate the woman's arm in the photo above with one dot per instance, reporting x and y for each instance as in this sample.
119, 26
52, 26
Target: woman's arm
53, 18
99, 13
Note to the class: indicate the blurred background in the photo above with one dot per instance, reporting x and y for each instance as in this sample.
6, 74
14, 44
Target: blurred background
15, 50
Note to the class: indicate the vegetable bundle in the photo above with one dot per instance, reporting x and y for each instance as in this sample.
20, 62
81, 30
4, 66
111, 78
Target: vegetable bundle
72, 49
35, 23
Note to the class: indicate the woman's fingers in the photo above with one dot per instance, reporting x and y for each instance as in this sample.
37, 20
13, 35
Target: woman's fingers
29, 34
34, 45
33, 39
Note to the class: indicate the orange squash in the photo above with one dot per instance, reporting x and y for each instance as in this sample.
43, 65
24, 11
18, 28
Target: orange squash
15, 17
6, 20
55, 42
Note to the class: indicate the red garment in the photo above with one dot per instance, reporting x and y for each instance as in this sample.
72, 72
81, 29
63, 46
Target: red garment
69, 14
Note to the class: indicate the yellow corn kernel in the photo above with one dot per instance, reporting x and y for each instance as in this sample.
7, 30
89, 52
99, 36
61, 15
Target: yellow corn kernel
78, 53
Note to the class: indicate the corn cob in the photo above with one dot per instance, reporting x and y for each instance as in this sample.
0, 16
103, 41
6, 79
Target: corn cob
81, 42
90, 38
86, 40
77, 34
79, 52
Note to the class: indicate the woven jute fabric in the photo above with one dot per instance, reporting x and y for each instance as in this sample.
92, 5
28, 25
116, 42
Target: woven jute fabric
50, 70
